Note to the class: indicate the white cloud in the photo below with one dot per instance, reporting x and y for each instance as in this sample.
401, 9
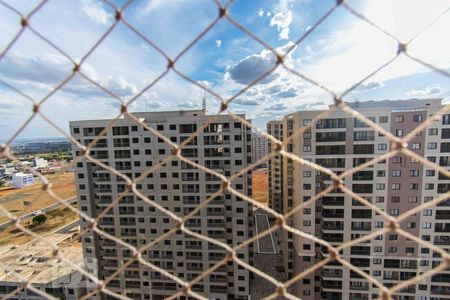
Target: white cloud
282, 20
189, 104
218, 43
260, 12
430, 90
95, 11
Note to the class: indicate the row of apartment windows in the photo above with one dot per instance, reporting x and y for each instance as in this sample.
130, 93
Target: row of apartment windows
341, 122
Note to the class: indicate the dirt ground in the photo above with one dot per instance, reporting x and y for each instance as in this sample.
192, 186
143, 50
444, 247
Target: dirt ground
55, 219
260, 186
62, 184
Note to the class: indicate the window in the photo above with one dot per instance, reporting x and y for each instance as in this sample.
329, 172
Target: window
237, 125
426, 225
394, 212
392, 249
427, 212
306, 223
307, 135
378, 224
383, 119
376, 261
379, 199
429, 186
417, 118
414, 173
397, 160
398, 132
307, 148
377, 249
415, 146
306, 173
432, 131
409, 250
430, 173
380, 186
399, 119
382, 146
412, 199
381, 173
413, 186
134, 128
396, 173
432, 146
395, 199
159, 127
306, 122
395, 186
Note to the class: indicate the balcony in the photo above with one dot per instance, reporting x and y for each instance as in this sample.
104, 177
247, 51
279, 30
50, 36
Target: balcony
333, 201
335, 273
359, 286
442, 240
329, 284
360, 250
333, 213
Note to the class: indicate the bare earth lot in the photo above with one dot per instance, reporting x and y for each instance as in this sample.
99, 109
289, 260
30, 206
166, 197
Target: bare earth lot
260, 186
62, 184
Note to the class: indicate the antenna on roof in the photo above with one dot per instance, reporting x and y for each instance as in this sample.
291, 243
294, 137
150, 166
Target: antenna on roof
204, 102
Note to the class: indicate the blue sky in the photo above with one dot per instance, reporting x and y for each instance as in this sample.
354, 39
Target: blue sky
340, 52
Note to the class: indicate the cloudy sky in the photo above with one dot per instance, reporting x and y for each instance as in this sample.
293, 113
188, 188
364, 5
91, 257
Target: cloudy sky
340, 52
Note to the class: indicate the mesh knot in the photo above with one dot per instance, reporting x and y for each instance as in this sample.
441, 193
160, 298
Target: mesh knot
333, 252
186, 290
170, 63
35, 108
281, 291
399, 145
280, 221
45, 186
3, 148
278, 147
384, 295
226, 185
23, 22
76, 68
91, 223
337, 183
392, 225
136, 255
223, 106
175, 151
230, 255
222, 12
118, 15
339, 2
84, 151
123, 108
280, 59
401, 48
179, 224
338, 101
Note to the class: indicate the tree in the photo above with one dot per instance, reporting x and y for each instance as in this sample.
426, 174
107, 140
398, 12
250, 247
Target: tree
39, 219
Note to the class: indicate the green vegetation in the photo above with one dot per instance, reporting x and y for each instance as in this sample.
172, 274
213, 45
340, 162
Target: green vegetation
39, 219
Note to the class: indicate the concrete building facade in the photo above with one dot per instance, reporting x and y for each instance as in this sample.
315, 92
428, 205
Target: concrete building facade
224, 146
340, 142
21, 180
259, 147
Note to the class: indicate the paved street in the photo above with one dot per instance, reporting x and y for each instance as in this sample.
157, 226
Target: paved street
45, 209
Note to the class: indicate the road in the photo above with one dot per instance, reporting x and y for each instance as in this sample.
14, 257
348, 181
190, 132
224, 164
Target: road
68, 227
43, 210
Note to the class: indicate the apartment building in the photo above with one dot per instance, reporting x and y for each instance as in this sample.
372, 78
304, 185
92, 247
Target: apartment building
224, 146
259, 147
340, 142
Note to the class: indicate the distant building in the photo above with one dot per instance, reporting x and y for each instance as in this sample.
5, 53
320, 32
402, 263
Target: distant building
21, 180
259, 147
223, 146
35, 262
39, 162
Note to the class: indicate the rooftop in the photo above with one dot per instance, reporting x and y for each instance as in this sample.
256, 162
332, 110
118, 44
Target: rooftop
34, 261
